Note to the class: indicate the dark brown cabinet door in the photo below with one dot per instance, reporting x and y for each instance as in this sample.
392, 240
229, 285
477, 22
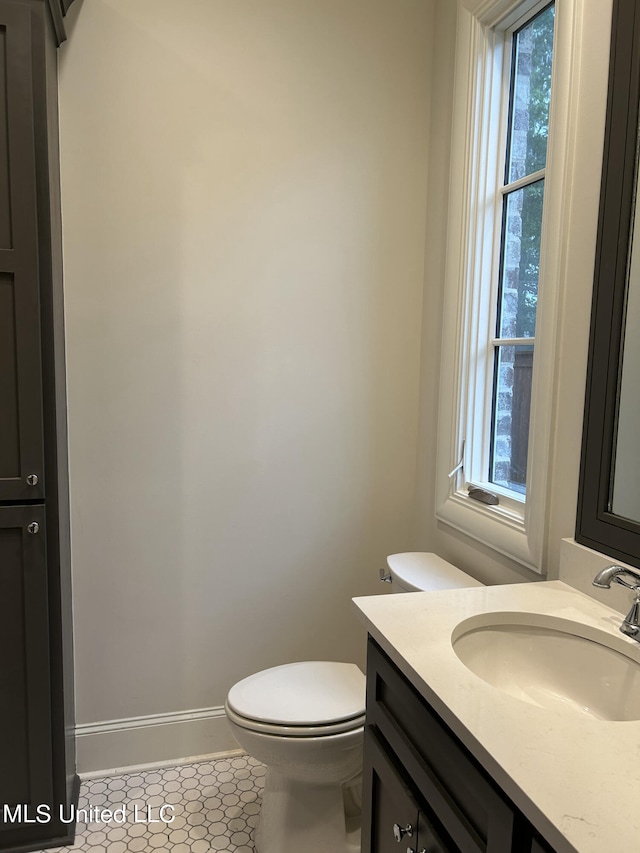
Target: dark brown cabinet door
25, 727
393, 818
391, 810
21, 454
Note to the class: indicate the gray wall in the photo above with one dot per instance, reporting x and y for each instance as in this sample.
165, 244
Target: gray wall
244, 191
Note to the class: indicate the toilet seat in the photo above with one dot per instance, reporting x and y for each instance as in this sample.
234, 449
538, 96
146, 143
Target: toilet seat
294, 731
306, 699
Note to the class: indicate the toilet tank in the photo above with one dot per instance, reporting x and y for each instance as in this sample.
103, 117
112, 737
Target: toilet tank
419, 571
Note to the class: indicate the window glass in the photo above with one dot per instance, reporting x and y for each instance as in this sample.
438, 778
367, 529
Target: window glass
522, 231
520, 240
510, 423
531, 95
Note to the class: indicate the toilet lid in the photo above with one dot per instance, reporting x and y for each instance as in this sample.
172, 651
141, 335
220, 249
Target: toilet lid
311, 693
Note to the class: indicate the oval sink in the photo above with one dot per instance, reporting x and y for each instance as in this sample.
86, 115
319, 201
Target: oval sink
553, 663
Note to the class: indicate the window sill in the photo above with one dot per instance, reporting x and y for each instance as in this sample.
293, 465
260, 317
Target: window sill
497, 527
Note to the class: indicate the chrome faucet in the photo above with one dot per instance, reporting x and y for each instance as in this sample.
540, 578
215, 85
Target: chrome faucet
604, 578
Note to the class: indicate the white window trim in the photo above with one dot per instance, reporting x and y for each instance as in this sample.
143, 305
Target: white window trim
518, 532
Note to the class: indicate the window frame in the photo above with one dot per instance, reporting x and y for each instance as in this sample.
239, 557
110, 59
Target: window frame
515, 527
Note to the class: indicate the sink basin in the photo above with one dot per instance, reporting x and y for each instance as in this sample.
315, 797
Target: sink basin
553, 662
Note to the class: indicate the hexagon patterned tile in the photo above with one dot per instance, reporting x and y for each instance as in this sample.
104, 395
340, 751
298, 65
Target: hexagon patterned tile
189, 808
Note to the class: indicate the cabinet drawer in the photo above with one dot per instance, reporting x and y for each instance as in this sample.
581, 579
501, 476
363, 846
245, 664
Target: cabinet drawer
478, 818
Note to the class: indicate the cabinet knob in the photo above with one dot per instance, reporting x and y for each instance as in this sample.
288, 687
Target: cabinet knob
32, 479
400, 831
33, 527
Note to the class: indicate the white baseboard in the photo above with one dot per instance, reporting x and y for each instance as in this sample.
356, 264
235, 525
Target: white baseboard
89, 775
158, 739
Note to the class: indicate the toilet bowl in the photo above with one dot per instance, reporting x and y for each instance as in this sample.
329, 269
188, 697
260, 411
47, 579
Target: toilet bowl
305, 722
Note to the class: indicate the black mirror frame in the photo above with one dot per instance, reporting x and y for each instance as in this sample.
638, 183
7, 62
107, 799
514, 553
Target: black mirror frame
597, 527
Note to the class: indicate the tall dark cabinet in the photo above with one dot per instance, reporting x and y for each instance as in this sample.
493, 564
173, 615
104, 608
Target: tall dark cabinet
37, 754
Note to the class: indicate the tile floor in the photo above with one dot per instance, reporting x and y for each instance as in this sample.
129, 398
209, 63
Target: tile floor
213, 805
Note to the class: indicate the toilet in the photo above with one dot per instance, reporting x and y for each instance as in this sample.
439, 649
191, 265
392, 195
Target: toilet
305, 722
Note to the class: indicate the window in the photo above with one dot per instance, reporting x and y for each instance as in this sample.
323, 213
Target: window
504, 256
520, 212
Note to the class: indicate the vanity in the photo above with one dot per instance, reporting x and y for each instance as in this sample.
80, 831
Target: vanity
503, 719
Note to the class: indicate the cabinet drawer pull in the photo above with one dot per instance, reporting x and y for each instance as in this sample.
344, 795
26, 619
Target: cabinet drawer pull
400, 831
33, 527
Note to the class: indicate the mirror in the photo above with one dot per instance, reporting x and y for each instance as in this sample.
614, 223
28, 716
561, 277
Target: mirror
609, 493
626, 471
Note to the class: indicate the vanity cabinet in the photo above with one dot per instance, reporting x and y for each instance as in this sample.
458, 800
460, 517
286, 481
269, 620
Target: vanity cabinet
423, 792
37, 752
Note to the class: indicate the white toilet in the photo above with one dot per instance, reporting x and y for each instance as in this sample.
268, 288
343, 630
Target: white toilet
305, 722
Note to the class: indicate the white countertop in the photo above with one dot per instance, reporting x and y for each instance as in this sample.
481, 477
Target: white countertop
576, 778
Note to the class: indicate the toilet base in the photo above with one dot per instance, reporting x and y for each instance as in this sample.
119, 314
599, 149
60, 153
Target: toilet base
307, 816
